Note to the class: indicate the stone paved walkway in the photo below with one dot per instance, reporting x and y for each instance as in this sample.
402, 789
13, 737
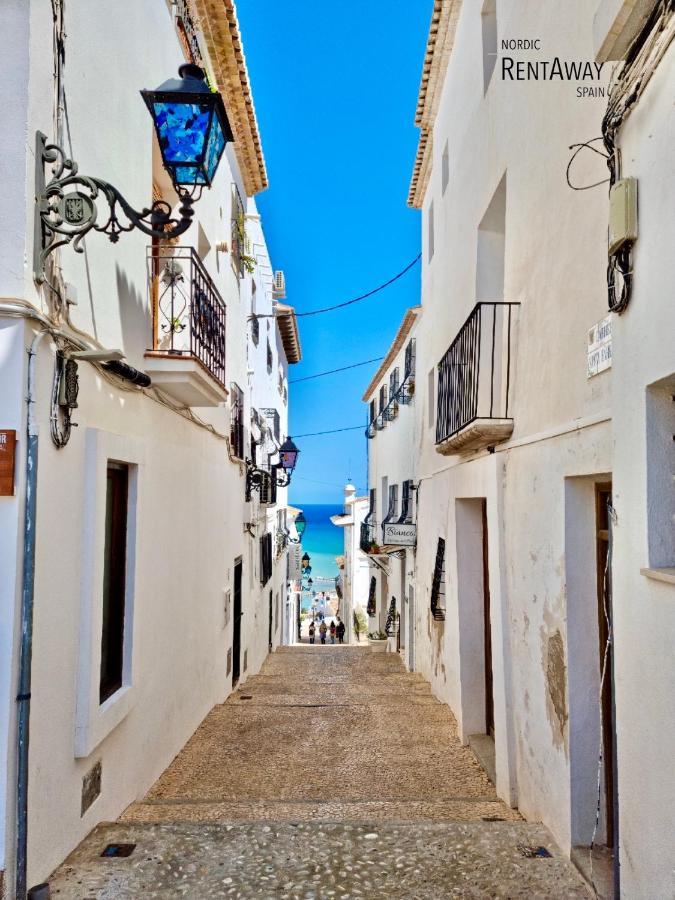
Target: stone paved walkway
333, 773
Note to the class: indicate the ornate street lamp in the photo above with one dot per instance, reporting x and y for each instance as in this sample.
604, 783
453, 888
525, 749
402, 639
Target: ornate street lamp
305, 560
300, 524
192, 130
191, 125
288, 458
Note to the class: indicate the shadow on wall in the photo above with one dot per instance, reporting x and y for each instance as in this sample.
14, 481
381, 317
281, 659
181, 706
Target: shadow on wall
135, 320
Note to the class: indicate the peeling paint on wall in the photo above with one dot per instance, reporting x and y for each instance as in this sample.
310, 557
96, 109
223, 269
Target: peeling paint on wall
556, 686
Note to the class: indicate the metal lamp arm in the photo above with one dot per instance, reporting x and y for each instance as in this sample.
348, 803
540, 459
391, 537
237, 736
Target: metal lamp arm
64, 216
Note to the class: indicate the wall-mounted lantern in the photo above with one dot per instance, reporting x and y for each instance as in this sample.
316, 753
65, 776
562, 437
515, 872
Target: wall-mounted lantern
192, 130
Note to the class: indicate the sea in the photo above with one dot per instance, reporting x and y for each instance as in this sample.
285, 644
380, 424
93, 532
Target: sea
323, 541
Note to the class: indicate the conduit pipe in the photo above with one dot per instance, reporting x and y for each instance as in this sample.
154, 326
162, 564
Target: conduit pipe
26, 645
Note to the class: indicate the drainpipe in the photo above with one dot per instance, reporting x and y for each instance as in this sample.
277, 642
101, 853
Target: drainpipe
26, 647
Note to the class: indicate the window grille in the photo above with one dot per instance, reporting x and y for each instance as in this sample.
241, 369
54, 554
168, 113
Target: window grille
383, 397
438, 583
270, 361
255, 330
265, 558
409, 359
407, 503
273, 421
371, 607
393, 504
373, 410
237, 421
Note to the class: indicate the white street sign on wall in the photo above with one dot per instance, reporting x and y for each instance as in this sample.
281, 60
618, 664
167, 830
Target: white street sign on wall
600, 347
295, 562
400, 534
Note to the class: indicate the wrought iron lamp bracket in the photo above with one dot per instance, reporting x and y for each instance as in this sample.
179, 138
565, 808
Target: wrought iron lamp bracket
66, 208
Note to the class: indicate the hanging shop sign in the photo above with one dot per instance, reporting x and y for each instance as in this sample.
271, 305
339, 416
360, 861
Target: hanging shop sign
600, 347
399, 534
295, 562
7, 454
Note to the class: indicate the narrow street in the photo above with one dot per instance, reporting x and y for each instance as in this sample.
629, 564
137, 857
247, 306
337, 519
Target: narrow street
333, 773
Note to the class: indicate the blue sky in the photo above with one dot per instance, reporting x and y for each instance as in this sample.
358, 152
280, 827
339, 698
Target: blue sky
335, 88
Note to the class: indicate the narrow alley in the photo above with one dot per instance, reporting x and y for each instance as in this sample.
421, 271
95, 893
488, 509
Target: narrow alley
332, 773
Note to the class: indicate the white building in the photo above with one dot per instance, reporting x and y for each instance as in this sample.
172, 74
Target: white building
156, 583
354, 569
388, 533
540, 435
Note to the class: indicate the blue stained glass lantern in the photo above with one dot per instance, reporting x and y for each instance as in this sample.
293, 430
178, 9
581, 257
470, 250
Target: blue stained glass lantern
191, 125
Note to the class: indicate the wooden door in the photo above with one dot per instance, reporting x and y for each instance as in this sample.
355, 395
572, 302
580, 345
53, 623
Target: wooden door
487, 633
603, 499
236, 623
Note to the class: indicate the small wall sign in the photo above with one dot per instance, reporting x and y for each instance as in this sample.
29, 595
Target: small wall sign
600, 347
7, 454
399, 534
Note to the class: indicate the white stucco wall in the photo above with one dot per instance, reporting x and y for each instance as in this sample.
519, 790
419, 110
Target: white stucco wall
517, 133
644, 607
187, 510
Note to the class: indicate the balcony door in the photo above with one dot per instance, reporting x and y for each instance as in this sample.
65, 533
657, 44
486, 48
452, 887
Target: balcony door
487, 633
236, 623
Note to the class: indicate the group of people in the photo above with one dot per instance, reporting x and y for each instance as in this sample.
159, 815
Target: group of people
336, 629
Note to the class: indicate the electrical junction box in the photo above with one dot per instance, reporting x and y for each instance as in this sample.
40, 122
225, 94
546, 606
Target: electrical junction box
623, 221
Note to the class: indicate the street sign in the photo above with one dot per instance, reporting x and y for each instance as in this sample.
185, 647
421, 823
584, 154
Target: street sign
295, 562
400, 534
600, 347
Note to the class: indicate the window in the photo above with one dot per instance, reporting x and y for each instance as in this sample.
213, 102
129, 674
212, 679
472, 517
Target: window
237, 421
489, 24
273, 421
392, 511
372, 509
114, 580
383, 397
265, 558
407, 503
409, 359
438, 582
255, 329
270, 360
373, 410
490, 248
431, 398
660, 410
445, 168
430, 230
393, 383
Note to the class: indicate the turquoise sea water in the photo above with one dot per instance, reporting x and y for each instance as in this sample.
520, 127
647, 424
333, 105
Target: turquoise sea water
323, 541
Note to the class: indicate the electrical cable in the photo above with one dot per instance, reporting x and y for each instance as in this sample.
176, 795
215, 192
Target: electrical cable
333, 371
588, 145
381, 287
332, 431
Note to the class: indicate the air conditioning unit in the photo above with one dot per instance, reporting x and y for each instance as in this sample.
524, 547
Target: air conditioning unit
279, 288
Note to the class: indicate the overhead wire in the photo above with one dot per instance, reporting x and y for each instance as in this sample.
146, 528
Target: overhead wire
334, 371
330, 431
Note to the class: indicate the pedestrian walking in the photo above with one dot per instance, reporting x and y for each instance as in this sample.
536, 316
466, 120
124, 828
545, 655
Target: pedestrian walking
340, 631
322, 632
311, 632
333, 631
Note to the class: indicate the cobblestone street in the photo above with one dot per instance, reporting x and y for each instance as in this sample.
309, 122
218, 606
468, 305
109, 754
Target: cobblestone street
333, 773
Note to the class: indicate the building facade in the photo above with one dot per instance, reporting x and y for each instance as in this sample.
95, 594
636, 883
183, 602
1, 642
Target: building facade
353, 580
541, 443
143, 551
388, 532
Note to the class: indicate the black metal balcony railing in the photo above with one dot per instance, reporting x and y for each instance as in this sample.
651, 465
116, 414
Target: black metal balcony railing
188, 312
369, 537
474, 374
402, 395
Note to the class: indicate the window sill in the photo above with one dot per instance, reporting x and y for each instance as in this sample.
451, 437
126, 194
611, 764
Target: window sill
667, 575
89, 734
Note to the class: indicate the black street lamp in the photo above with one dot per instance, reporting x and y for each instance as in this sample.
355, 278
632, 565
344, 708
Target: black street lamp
192, 130
191, 125
305, 560
288, 458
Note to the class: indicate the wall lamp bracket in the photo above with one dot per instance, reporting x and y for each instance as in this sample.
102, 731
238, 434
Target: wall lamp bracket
66, 208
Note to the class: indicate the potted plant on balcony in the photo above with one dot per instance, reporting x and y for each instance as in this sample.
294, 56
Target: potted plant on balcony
373, 547
377, 641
